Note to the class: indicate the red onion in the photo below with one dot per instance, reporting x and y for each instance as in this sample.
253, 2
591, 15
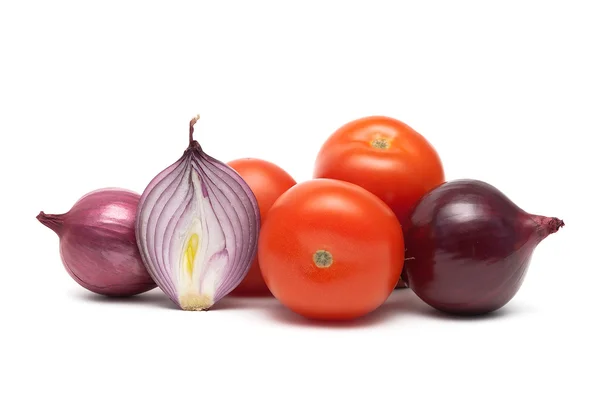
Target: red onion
97, 243
197, 228
469, 247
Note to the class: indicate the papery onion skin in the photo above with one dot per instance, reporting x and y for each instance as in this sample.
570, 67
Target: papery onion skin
97, 243
469, 247
197, 228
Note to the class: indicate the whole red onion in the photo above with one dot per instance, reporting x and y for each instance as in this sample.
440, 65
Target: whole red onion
97, 243
469, 247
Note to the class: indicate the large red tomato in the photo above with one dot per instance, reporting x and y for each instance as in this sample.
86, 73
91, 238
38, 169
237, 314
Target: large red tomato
331, 250
384, 156
267, 181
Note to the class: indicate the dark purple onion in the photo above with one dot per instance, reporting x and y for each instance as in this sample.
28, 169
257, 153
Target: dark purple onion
469, 247
97, 243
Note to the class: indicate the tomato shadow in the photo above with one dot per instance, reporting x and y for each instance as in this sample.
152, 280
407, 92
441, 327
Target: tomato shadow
395, 307
151, 298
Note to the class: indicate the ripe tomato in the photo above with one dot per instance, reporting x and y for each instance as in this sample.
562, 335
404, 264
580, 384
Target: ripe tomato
384, 156
331, 250
268, 182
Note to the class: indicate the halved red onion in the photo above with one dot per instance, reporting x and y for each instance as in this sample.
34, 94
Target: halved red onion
197, 228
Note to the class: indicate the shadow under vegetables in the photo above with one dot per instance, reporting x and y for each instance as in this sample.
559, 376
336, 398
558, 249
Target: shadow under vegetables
152, 298
156, 298
400, 303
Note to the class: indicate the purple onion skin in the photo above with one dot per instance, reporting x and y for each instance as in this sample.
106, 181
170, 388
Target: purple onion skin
469, 247
97, 243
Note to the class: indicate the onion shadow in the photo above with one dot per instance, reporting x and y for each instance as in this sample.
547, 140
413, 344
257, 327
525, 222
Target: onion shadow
419, 307
152, 298
229, 303
509, 310
156, 298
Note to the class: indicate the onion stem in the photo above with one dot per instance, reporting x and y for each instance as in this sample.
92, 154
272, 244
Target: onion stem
192, 123
52, 221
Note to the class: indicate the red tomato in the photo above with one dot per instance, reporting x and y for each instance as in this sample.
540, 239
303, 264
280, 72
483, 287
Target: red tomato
331, 250
384, 156
268, 182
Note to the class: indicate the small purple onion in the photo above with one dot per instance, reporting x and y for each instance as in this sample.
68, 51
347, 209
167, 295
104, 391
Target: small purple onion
197, 228
97, 243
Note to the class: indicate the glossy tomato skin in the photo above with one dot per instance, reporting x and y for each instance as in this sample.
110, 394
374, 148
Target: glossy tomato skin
267, 181
358, 231
385, 156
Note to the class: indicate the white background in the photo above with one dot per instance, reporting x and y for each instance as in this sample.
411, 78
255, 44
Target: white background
96, 94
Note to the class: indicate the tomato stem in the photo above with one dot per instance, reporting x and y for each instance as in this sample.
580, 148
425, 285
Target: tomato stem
380, 143
322, 259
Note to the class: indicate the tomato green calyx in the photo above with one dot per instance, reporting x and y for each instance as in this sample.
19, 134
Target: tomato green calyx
323, 259
381, 143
